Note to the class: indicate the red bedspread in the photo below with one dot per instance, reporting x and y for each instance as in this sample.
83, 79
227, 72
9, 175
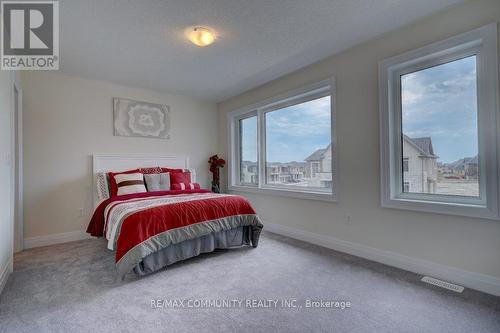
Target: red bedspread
96, 225
147, 222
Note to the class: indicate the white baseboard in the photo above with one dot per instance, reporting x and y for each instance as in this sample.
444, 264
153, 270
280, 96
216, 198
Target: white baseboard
64, 237
4, 274
485, 283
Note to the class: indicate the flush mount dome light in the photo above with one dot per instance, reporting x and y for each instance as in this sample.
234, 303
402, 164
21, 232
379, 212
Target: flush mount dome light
201, 36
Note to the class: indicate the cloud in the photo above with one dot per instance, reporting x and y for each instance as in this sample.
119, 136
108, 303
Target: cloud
439, 82
292, 133
441, 102
307, 119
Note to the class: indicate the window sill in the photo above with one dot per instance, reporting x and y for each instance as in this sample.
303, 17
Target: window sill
445, 208
329, 197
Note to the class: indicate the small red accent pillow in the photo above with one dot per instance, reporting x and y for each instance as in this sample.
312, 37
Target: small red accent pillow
180, 177
182, 186
151, 171
112, 181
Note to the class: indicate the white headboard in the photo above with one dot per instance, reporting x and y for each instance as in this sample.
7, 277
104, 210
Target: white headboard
107, 163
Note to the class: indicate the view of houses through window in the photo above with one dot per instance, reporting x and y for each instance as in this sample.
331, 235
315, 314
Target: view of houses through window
440, 130
297, 147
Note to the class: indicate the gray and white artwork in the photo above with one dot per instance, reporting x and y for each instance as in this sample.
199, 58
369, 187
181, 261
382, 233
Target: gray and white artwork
143, 119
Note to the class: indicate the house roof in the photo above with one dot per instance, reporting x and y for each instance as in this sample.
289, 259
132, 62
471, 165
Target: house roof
473, 160
287, 164
460, 164
248, 163
318, 155
423, 145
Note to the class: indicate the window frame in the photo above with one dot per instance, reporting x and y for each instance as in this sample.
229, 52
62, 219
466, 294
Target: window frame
482, 43
238, 151
307, 93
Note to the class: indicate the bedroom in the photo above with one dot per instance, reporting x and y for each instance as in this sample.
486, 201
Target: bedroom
325, 114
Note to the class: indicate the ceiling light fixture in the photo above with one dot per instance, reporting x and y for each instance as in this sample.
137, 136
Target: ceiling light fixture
201, 36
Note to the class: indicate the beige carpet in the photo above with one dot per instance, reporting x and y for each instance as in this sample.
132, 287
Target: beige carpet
73, 287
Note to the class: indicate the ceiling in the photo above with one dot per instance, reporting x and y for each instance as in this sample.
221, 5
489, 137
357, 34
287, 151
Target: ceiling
142, 43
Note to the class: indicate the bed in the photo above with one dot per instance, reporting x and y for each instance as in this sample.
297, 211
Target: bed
151, 230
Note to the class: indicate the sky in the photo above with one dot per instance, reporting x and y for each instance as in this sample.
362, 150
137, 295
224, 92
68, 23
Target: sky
292, 133
441, 102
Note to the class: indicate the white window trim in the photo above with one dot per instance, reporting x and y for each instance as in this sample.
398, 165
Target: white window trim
303, 94
483, 43
236, 119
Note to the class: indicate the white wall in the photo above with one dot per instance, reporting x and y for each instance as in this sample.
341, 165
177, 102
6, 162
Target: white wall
67, 119
464, 243
6, 223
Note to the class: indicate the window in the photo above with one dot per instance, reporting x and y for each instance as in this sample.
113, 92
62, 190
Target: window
248, 148
298, 150
439, 128
284, 146
406, 164
438, 134
314, 168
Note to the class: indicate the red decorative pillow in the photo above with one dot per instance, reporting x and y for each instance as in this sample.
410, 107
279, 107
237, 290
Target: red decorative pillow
170, 170
112, 181
151, 171
182, 186
180, 178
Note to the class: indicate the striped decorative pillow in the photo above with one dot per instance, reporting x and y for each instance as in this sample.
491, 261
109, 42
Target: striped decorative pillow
130, 183
112, 181
187, 186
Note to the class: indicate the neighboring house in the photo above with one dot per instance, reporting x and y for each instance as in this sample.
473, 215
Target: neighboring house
319, 167
277, 172
248, 172
419, 165
316, 171
290, 172
466, 167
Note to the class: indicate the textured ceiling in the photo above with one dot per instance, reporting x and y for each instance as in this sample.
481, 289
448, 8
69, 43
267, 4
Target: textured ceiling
142, 43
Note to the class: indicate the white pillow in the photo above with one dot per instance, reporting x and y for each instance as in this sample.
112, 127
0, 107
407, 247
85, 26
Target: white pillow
157, 181
130, 183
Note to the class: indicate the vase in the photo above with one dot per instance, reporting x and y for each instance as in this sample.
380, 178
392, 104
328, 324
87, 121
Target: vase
216, 181
215, 187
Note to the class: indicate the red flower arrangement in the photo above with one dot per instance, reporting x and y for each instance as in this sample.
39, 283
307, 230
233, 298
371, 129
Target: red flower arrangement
215, 164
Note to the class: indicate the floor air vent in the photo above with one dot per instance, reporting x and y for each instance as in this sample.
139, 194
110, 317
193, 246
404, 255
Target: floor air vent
443, 284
